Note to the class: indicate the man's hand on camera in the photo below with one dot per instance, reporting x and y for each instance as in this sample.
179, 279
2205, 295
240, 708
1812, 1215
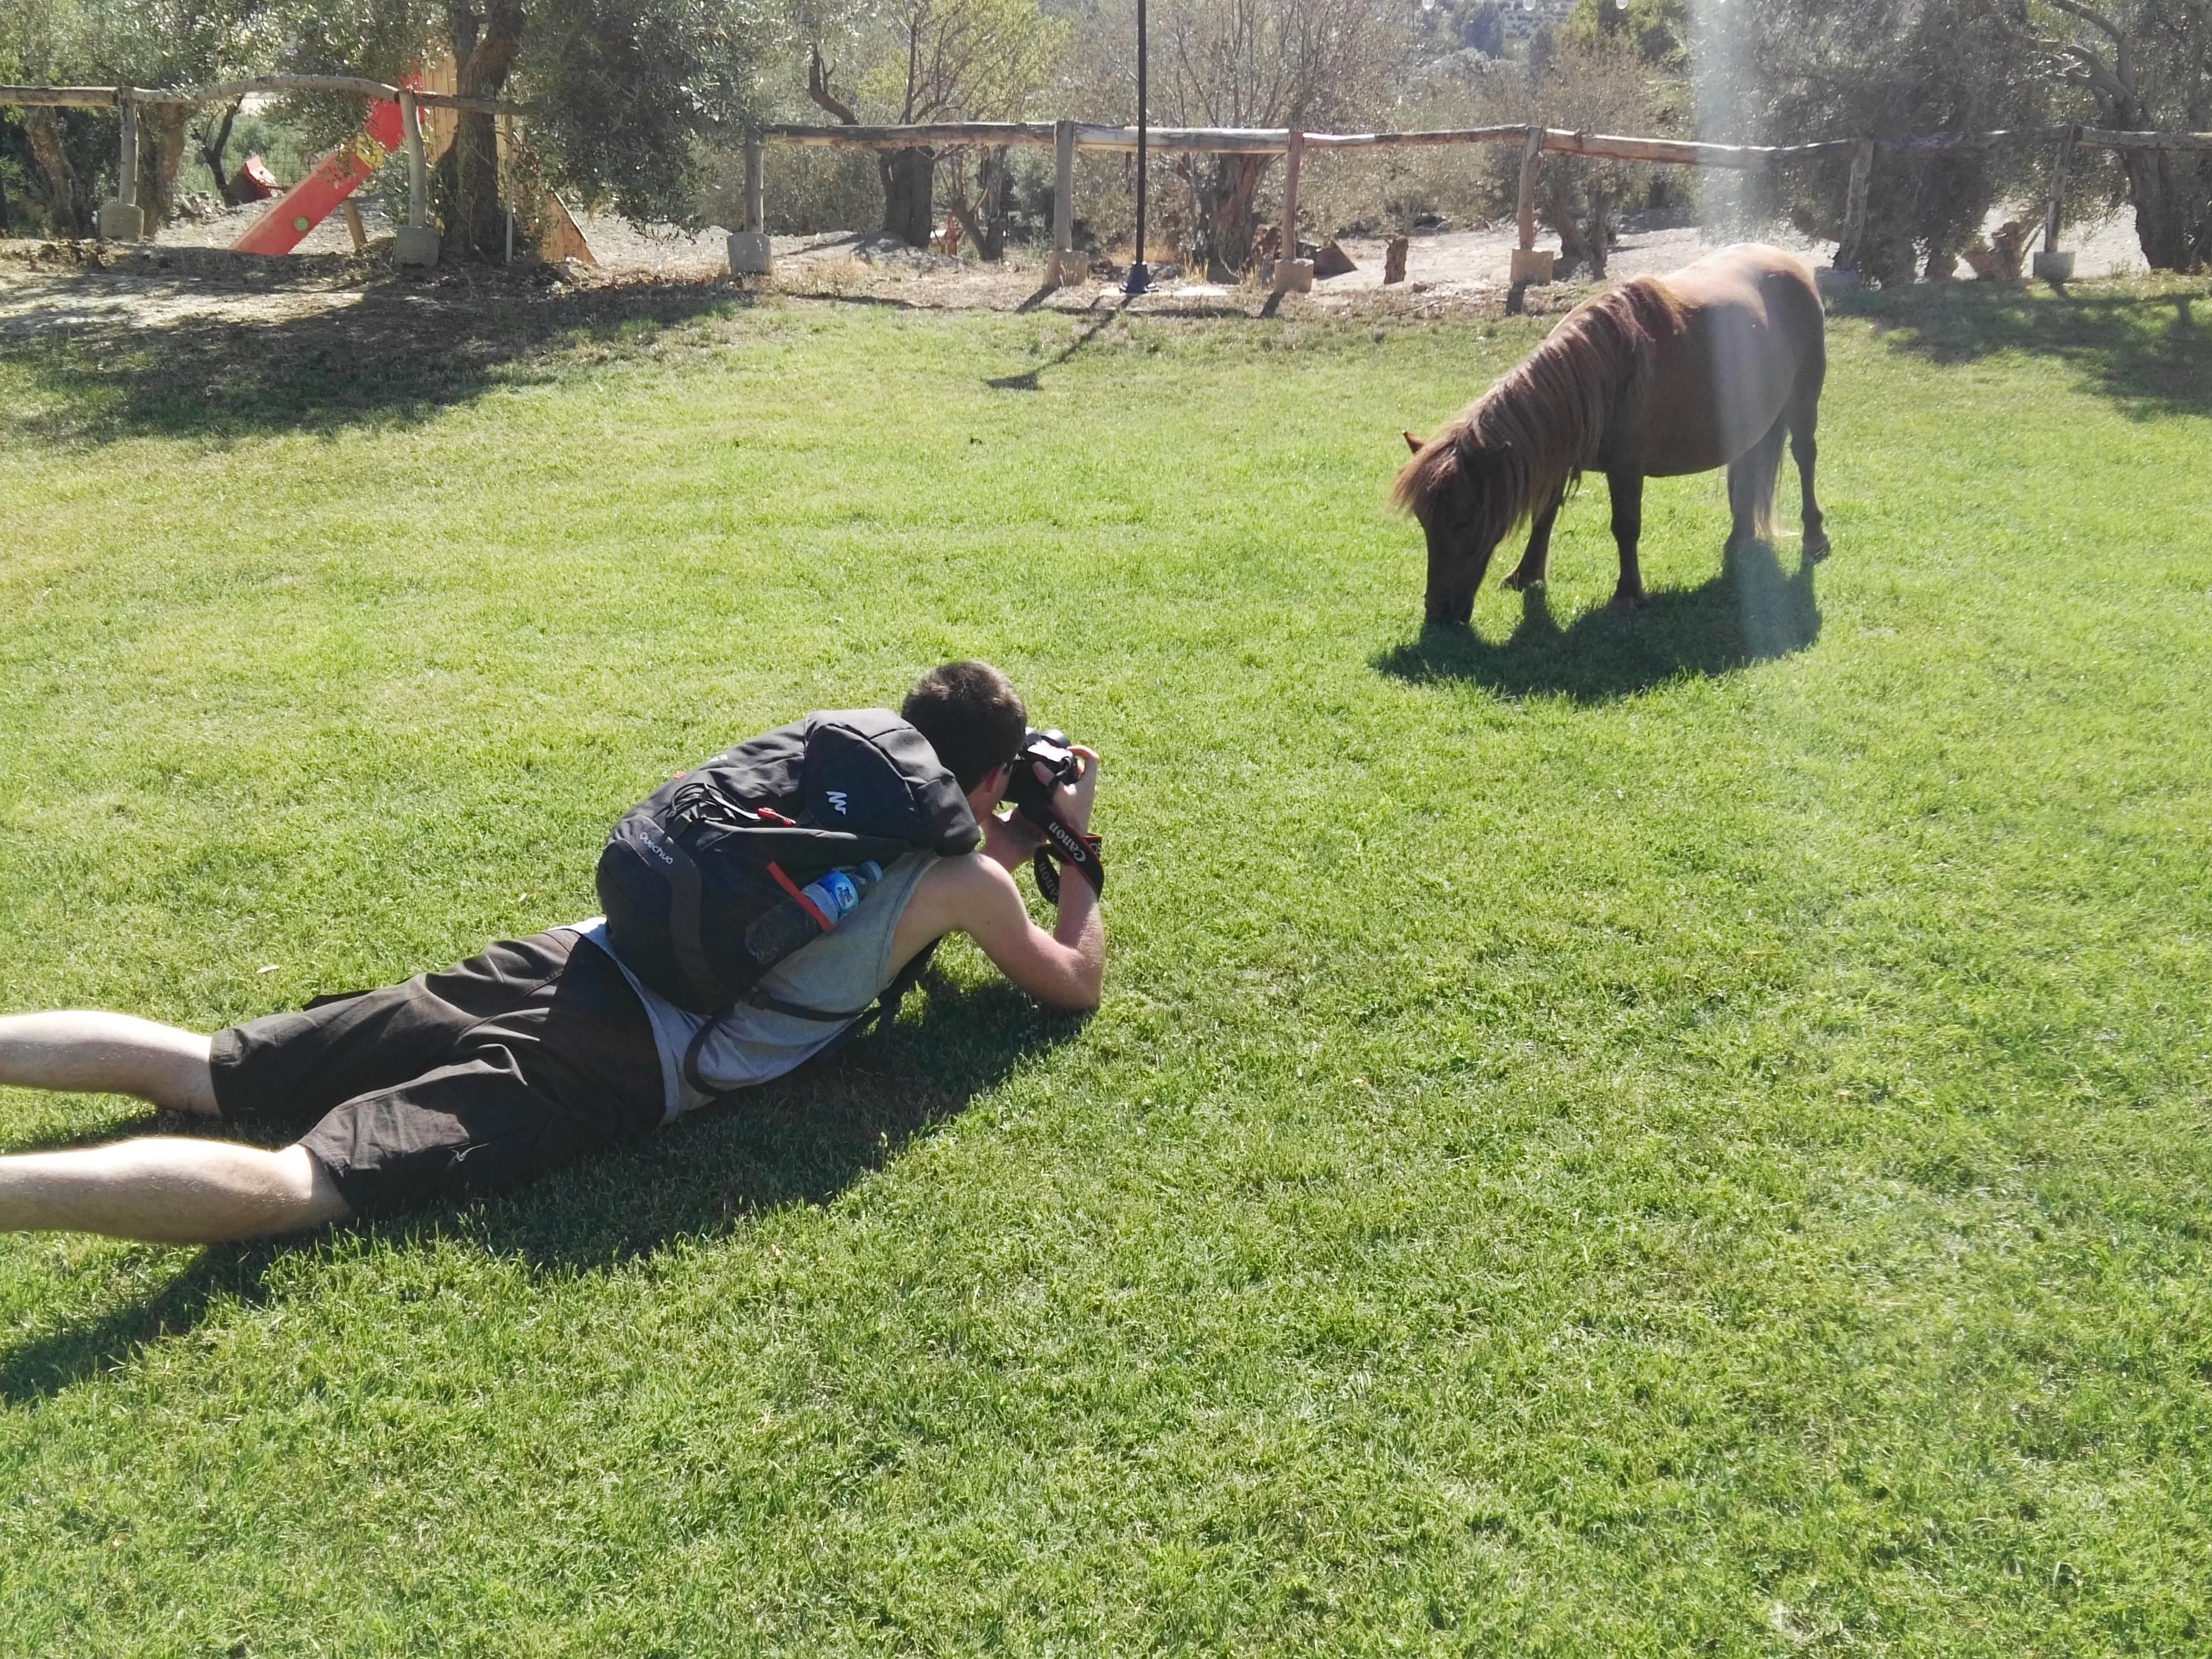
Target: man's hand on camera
1009, 839
1074, 799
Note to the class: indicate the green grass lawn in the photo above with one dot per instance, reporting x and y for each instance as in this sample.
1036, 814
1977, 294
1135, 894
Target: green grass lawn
1605, 1136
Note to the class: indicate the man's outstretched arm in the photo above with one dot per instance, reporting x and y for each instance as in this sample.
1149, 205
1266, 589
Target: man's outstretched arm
976, 895
1066, 968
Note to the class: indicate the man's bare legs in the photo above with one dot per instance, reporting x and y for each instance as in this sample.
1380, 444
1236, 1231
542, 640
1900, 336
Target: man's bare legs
169, 1191
161, 1189
84, 1051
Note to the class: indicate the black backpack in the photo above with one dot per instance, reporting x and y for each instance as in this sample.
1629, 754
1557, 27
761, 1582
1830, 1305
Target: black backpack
706, 863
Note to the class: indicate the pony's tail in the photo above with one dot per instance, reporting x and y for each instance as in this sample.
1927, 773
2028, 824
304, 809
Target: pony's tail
1752, 478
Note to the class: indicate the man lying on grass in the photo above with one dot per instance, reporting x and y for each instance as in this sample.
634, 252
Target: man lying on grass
541, 1050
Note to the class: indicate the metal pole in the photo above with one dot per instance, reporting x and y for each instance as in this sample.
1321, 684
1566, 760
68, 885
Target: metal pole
1139, 278
755, 183
1063, 202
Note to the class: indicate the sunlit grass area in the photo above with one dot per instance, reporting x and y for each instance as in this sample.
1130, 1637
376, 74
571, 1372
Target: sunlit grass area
1606, 1134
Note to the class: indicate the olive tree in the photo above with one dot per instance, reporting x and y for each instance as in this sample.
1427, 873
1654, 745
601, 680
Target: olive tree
2144, 65
1312, 63
1803, 70
621, 94
920, 61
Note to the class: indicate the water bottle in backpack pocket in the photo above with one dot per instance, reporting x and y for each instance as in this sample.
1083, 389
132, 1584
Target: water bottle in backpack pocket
814, 910
727, 868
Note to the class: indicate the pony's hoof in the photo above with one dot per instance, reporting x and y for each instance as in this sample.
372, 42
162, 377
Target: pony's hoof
1815, 549
1626, 599
1521, 581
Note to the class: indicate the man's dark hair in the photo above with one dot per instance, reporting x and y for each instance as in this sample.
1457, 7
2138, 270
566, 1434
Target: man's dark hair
972, 716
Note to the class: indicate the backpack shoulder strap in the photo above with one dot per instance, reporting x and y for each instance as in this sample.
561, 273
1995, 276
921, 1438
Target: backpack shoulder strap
857, 1021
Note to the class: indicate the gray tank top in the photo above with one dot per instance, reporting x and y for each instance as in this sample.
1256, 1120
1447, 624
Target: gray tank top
847, 968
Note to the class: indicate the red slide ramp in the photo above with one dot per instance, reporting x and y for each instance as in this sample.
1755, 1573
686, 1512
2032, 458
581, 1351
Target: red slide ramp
336, 177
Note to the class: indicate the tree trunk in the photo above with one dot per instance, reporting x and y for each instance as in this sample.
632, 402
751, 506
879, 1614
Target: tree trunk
485, 46
1556, 207
1223, 191
908, 176
985, 223
992, 244
64, 210
1598, 235
162, 152
212, 145
2162, 216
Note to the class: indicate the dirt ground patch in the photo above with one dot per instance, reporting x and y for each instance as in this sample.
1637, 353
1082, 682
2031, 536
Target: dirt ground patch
174, 296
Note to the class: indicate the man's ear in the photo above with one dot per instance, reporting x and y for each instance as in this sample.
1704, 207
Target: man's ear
1411, 442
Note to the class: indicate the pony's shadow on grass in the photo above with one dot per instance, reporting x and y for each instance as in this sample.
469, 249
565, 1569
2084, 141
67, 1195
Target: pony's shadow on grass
183, 366
2149, 352
802, 1139
1753, 611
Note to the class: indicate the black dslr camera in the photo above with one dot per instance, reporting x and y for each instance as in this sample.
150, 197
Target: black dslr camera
1032, 798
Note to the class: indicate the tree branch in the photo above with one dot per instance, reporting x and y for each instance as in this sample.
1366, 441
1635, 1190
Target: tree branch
817, 89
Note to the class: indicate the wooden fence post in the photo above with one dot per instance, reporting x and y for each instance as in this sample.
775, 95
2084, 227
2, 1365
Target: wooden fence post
1063, 205
121, 220
1524, 205
749, 255
1855, 206
1529, 265
2050, 263
415, 243
1292, 274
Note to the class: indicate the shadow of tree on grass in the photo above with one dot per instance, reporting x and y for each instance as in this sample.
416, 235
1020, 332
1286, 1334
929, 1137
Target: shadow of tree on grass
2149, 349
1751, 612
800, 1139
187, 363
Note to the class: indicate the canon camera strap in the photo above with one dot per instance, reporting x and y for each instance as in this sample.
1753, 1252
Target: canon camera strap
1065, 844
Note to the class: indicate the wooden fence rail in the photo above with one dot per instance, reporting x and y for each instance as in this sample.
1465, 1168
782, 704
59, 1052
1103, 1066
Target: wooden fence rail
1536, 143
112, 97
121, 218
748, 249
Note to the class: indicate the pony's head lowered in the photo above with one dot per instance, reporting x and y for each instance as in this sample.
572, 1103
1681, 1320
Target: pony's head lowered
1467, 494
1524, 442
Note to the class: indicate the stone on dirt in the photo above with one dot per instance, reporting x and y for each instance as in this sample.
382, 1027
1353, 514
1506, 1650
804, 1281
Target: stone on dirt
1330, 260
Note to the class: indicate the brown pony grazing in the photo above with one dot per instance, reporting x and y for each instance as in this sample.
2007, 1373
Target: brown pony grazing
1712, 365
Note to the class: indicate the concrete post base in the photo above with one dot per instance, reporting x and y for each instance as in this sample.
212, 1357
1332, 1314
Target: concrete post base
1294, 276
121, 221
1532, 265
749, 253
2055, 265
415, 245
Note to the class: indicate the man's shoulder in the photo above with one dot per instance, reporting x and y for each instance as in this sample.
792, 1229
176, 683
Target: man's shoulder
964, 879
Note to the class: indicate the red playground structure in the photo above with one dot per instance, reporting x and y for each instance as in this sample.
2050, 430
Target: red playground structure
336, 177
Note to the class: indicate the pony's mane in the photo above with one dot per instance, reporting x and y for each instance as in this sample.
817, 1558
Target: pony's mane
1541, 423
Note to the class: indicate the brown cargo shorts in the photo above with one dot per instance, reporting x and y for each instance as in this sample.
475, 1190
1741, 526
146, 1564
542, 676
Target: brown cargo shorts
454, 1084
